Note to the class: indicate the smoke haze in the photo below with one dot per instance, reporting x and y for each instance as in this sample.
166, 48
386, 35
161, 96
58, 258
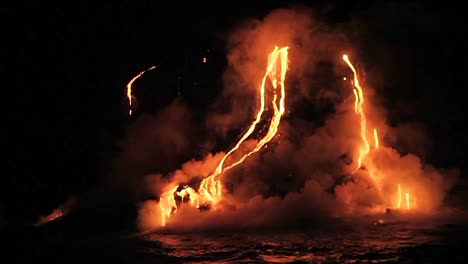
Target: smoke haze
306, 174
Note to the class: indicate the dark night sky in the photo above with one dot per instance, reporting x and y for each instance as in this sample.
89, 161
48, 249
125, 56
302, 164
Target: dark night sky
65, 68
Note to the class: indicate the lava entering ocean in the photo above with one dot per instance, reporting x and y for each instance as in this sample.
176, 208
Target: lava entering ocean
210, 191
364, 150
343, 166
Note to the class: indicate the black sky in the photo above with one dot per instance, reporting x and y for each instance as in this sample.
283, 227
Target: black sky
65, 67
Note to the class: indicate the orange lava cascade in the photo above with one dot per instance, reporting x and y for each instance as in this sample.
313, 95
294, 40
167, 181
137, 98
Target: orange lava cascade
399, 196
364, 150
407, 201
129, 87
358, 109
210, 190
376, 139
167, 204
359, 95
210, 187
410, 200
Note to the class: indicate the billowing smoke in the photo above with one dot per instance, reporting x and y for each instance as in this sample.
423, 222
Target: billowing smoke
154, 143
308, 173
248, 48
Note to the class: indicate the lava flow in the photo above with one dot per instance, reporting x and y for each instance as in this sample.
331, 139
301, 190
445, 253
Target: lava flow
359, 95
410, 201
364, 150
129, 88
210, 191
56, 214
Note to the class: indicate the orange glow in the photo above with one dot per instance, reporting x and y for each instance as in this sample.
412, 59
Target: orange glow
167, 204
407, 201
210, 190
194, 197
399, 196
404, 194
204, 59
57, 213
358, 105
376, 139
356, 101
129, 88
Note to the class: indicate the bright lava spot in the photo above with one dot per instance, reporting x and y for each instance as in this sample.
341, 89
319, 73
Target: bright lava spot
410, 201
407, 201
57, 213
376, 139
399, 196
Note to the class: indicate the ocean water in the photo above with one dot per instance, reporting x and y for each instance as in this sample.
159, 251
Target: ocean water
355, 241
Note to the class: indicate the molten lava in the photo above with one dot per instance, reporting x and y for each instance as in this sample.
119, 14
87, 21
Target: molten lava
56, 214
410, 201
399, 196
407, 201
376, 139
358, 108
210, 190
166, 204
129, 88
364, 150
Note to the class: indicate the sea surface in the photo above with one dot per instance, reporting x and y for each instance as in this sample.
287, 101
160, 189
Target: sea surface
371, 240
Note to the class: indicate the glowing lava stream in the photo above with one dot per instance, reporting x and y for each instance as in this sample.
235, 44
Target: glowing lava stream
359, 101
129, 88
399, 196
56, 214
376, 139
210, 190
359, 96
407, 199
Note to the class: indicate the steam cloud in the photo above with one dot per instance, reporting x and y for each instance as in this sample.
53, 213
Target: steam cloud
151, 146
306, 173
